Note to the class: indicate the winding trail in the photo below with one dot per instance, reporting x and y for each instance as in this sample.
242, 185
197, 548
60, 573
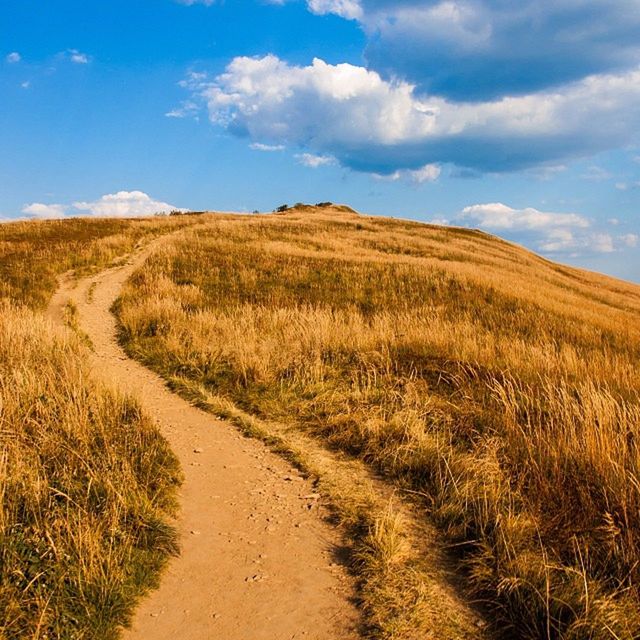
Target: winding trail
259, 560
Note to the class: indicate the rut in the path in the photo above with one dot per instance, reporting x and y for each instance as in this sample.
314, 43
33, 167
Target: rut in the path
258, 559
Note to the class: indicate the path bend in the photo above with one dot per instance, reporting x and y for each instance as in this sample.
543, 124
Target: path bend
258, 558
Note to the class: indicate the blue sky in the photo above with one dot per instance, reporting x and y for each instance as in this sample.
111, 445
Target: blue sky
519, 118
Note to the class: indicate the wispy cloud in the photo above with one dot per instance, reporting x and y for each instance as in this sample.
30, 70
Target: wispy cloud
77, 57
187, 109
626, 186
13, 57
596, 174
314, 161
259, 146
427, 173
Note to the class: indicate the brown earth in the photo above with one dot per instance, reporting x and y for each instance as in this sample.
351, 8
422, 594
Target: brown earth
259, 559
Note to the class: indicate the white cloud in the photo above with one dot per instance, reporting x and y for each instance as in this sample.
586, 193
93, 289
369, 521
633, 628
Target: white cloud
193, 79
13, 57
349, 9
613, 222
549, 232
381, 126
483, 49
600, 243
44, 211
443, 222
547, 171
26, 84
78, 57
630, 240
125, 204
314, 161
185, 110
496, 215
259, 146
428, 173
558, 241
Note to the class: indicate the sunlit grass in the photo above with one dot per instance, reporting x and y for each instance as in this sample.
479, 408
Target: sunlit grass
33, 254
501, 385
87, 483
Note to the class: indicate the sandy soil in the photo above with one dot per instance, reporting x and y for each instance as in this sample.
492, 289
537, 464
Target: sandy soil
259, 560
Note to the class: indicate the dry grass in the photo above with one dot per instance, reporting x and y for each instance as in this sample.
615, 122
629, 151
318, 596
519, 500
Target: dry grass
86, 481
33, 254
408, 586
86, 485
500, 385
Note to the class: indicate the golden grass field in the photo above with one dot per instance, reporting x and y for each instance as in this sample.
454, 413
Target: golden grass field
497, 388
501, 387
86, 481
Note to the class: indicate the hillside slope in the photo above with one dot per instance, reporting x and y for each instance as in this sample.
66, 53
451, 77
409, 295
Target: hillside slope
501, 387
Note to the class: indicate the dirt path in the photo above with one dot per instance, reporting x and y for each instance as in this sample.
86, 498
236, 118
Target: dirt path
259, 561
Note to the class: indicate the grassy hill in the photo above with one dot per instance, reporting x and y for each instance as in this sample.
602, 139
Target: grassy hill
498, 387
502, 387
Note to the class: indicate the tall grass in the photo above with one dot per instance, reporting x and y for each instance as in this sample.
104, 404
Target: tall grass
87, 483
86, 487
33, 254
500, 385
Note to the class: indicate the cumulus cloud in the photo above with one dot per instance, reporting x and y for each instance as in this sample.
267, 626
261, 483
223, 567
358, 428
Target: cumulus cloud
125, 204
39, 210
549, 232
13, 57
483, 49
381, 126
496, 215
